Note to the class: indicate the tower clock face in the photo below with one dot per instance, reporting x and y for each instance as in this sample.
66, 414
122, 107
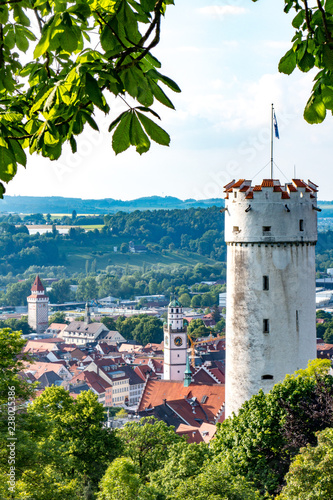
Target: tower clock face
178, 341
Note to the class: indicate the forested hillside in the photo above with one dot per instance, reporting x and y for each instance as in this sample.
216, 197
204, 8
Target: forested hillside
181, 248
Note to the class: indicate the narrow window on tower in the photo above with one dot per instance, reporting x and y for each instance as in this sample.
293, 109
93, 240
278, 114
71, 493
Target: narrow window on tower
265, 283
266, 325
297, 321
266, 229
235, 194
267, 377
301, 225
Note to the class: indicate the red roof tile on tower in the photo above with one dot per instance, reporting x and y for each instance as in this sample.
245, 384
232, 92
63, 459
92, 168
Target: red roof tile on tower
229, 185
238, 184
312, 185
299, 183
37, 286
292, 188
257, 188
267, 183
285, 195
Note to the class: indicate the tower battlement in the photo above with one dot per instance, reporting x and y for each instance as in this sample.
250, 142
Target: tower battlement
270, 231
271, 212
292, 190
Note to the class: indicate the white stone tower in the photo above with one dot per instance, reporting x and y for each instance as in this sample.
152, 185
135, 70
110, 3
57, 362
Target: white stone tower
175, 343
38, 303
271, 232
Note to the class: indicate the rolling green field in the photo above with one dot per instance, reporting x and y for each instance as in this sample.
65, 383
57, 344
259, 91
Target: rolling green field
76, 257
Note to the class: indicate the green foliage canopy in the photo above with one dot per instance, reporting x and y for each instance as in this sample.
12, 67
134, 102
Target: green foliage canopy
146, 443
311, 472
259, 442
312, 47
76, 427
83, 52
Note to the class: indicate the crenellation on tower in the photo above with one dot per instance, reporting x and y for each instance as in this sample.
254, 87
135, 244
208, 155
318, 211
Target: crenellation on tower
271, 232
270, 212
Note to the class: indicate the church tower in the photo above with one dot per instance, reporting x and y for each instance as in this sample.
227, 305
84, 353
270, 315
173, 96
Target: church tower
38, 302
270, 232
175, 343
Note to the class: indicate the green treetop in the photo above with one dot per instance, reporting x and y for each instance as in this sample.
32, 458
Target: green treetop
84, 51
312, 46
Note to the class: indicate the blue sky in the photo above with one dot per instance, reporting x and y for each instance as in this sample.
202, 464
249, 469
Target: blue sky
224, 55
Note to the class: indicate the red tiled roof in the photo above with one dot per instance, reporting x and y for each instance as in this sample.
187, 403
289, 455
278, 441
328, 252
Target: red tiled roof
188, 412
299, 183
210, 397
292, 188
38, 296
192, 433
324, 347
93, 380
238, 183
245, 186
203, 377
218, 374
37, 286
142, 371
57, 326
312, 185
229, 185
267, 183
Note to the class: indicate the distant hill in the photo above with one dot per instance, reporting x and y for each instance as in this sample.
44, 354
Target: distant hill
60, 205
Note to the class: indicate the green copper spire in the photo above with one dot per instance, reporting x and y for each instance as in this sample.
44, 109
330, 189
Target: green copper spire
188, 373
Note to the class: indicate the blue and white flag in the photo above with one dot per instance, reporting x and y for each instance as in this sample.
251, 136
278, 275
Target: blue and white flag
276, 128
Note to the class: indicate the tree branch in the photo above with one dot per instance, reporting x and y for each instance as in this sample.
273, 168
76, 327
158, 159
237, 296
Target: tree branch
1, 47
10, 2
156, 23
323, 15
39, 20
307, 16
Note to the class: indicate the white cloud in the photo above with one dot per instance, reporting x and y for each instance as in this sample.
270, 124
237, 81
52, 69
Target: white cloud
222, 10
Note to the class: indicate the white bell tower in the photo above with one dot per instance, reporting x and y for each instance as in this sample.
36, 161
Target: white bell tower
270, 232
175, 343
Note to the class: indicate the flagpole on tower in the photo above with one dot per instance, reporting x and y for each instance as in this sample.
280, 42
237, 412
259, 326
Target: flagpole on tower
275, 129
272, 117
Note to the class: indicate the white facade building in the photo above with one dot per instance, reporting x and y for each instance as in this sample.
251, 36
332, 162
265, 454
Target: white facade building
175, 343
271, 232
38, 304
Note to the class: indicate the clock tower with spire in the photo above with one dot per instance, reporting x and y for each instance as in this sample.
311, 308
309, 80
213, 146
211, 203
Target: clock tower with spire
175, 343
